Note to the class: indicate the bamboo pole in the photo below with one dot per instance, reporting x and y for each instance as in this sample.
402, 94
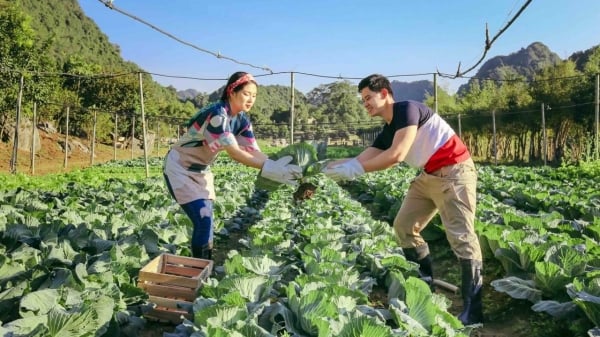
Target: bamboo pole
596, 128
93, 152
435, 93
33, 127
115, 137
157, 136
292, 109
544, 134
132, 132
66, 140
14, 159
494, 141
144, 135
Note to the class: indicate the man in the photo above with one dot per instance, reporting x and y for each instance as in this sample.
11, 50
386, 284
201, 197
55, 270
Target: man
415, 134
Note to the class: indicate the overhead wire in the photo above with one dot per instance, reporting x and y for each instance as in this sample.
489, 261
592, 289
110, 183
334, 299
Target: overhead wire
110, 5
114, 75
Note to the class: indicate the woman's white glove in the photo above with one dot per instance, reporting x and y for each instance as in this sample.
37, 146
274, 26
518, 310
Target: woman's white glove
282, 171
348, 170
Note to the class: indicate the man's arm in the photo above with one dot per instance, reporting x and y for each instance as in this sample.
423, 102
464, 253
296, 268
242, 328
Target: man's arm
373, 159
368, 154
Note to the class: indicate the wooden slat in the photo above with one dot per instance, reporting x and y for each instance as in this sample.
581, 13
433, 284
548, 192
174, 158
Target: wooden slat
166, 302
186, 261
204, 274
182, 271
160, 290
166, 314
168, 279
166, 309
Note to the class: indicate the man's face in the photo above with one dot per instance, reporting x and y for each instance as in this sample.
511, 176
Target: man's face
373, 101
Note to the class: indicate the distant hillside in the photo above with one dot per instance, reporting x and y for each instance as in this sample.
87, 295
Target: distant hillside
524, 62
411, 90
187, 94
74, 43
73, 34
402, 91
581, 57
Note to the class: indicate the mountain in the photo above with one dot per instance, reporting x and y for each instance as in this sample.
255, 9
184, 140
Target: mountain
402, 91
411, 90
73, 34
71, 42
581, 57
187, 94
525, 62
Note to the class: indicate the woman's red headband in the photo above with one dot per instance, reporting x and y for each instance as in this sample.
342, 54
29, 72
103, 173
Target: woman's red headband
242, 80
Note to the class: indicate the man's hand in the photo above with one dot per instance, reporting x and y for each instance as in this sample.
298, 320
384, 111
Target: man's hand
282, 171
349, 170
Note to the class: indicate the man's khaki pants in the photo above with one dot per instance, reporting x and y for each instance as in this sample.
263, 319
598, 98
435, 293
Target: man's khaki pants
451, 191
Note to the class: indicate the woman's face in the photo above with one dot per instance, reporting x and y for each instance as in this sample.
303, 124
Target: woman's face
243, 100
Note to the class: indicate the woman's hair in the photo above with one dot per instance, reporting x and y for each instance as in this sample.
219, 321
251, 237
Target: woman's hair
375, 83
236, 82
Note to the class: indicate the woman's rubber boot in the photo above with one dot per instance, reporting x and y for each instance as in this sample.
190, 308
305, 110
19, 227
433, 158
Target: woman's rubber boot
425, 263
472, 284
203, 252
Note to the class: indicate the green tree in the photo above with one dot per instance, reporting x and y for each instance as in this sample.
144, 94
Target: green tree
22, 54
479, 97
585, 91
555, 87
446, 102
338, 105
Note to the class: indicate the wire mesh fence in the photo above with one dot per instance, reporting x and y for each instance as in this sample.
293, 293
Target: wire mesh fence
550, 134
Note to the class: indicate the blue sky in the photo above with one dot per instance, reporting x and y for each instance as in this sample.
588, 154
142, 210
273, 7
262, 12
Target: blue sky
344, 38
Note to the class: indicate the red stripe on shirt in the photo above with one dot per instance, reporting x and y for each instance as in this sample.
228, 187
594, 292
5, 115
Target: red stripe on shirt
452, 152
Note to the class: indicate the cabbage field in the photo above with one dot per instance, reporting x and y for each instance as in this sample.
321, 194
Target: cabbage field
71, 247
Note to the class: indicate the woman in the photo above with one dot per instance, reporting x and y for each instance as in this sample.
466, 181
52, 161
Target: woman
222, 126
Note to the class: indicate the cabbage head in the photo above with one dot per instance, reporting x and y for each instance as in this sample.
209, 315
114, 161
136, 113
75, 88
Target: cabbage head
306, 155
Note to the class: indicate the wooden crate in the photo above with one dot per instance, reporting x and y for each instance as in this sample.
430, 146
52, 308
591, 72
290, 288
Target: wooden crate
171, 279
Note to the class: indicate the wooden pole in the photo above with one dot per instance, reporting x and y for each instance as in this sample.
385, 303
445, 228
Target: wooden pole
292, 109
115, 137
435, 93
132, 132
494, 146
66, 140
157, 137
14, 159
33, 128
597, 128
94, 138
543, 134
145, 142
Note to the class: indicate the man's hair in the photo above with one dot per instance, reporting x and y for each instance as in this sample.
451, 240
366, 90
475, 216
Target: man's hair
375, 83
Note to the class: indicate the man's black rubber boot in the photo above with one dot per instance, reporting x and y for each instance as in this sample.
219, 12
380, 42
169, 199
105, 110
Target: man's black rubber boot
425, 263
472, 284
203, 252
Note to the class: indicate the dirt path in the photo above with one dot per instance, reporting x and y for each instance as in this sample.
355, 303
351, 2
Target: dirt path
51, 158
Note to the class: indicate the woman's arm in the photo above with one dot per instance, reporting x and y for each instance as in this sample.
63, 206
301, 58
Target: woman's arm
254, 159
